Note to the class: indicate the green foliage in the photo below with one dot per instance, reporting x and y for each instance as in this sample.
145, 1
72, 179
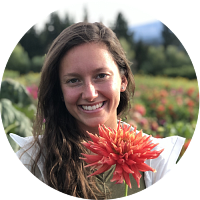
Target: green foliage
128, 50
186, 71
175, 57
26, 79
183, 129
14, 121
155, 62
19, 60
17, 110
168, 62
11, 74
15, 92
37, 63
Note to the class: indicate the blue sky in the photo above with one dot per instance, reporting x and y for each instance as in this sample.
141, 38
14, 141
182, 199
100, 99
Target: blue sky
104, 10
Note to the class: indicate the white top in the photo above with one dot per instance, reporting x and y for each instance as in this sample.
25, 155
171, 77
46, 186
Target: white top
163, 164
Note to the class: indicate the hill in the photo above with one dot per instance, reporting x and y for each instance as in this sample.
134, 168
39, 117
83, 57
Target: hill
149, 33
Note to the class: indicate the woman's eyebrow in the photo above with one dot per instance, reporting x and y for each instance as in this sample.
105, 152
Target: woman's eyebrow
100, 69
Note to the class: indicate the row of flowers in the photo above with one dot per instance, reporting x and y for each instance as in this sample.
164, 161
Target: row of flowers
165, 111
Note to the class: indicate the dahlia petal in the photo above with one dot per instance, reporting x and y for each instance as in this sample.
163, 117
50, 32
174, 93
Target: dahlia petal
121, 161
91, 158
136, 175
88, 146
130, 162
126, 168
95, 164
114, 156
144, 167
94, 138
109, 161
142, 150
108, 147
99, 150
139, 160
119, 125
103, 133
138, 137
133, 156
152, 154
118, 169
118, 178
101, 170
127, 178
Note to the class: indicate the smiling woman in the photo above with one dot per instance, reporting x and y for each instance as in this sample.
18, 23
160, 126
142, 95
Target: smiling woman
91, 84
86, 81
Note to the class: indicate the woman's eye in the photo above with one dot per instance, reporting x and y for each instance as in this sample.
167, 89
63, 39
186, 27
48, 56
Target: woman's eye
101, 75
74, 80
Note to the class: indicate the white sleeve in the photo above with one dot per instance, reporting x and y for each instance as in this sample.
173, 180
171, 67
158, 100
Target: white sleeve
167, 159
27, 154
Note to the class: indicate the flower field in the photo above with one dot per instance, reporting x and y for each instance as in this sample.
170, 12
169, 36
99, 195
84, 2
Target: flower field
161, 106
165, 107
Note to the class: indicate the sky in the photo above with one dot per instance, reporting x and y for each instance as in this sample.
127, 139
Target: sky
105, 11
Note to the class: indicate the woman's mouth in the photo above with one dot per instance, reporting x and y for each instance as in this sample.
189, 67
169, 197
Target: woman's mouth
93, 107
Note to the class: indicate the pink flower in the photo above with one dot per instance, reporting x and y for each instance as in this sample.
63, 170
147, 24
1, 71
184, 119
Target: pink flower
123, 148
32, 90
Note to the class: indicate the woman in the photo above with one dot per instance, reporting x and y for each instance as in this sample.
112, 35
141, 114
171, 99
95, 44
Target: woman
86, 81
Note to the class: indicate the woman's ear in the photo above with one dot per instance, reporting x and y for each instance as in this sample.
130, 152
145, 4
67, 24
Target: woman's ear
124, 83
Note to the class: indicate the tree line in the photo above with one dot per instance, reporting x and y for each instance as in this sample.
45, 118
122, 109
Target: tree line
168, 59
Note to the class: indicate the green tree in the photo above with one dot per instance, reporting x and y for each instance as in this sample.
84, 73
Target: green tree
85, 15
19, 60
176, 58
52, 29
169, 38
37, 43
121, 29
37, 63
130, 53
141, 51
155, 62
31, 43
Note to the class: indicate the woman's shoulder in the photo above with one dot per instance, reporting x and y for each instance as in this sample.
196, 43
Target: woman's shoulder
28, 144
28, 153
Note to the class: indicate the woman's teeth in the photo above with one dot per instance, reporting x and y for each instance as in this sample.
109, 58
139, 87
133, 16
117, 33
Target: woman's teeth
93, 107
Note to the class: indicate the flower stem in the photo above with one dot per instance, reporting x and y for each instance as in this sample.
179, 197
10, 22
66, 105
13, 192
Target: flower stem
126, 190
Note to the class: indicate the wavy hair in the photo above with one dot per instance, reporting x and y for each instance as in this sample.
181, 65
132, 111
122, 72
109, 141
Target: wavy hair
61, 140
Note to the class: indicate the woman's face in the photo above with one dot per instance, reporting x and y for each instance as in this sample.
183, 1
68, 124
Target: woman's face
91, 85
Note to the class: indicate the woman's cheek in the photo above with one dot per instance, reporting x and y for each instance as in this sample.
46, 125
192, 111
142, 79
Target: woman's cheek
71, 96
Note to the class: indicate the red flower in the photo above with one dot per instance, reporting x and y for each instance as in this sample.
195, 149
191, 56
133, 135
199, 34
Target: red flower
140, 108
163, 93
190, 91
190, 103
123, 147
161, 108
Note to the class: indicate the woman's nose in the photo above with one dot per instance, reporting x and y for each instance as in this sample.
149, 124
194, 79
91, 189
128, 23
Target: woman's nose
89, 92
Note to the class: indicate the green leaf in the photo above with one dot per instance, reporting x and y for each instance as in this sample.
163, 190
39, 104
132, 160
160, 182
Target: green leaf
11, 116
15, 92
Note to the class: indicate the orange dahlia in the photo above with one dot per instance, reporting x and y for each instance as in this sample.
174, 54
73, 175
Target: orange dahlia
122, 147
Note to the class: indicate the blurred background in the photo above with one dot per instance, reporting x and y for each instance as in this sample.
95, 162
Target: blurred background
166, 99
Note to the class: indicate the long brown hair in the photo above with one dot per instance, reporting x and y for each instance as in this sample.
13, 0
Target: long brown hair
61, 140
